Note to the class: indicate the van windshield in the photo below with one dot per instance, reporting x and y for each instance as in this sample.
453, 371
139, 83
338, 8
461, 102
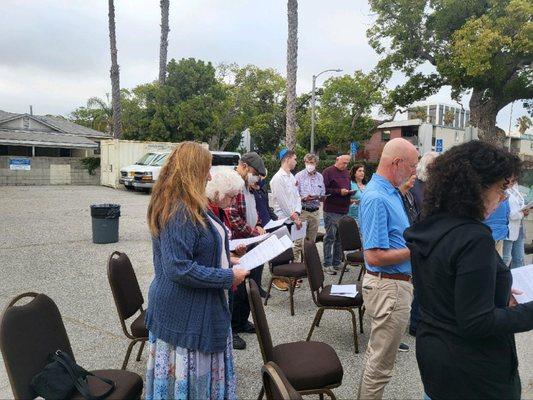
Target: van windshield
160, 160
147, 159
225, 159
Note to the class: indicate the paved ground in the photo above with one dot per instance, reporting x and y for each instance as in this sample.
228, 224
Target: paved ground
45, 246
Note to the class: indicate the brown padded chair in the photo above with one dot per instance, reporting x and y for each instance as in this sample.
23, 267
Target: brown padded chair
351, 242
29, 333
282, 267
528, 248
322, 294
276, 385
310, 367
128, 299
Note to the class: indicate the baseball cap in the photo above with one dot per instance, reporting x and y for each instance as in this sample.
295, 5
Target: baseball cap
254, 161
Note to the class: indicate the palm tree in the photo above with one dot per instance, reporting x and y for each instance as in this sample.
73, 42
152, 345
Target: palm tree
105, 113
523, 123
114, 73
292, 69
164, 41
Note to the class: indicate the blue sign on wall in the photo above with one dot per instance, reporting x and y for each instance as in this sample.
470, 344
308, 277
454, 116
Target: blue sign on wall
353, 147
20, 164
439, 145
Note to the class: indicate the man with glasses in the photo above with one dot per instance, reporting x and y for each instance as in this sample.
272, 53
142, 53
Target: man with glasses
387, 286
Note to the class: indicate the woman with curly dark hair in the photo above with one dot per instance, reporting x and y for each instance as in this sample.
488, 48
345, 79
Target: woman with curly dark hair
465, 338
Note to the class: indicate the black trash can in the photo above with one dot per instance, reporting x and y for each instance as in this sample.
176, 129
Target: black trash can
105, 222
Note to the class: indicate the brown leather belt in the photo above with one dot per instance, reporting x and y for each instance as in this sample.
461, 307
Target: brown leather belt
398, 277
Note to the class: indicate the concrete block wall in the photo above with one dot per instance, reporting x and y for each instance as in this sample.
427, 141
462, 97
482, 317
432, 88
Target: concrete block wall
48, 171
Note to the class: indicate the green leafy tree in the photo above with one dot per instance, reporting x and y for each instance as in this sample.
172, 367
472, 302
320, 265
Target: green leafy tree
523, 123
482, 47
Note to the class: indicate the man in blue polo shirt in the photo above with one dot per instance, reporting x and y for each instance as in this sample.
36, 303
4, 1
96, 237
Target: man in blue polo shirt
387, 288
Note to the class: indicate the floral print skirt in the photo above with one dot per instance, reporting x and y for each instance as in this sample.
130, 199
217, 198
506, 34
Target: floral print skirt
179, 373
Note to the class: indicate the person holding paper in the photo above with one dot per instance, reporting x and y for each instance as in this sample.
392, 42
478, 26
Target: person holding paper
188, 317
310, 184
465, 343
285, 197
337, 183
357, 185
513, 245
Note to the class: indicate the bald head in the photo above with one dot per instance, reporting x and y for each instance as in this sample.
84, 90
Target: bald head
342, 162
398, 161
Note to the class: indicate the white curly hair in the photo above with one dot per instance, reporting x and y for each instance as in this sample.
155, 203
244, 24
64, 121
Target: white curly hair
422, 166
224, 181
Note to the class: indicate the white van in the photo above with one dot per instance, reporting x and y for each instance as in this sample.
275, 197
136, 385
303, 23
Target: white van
144, 177
127, 173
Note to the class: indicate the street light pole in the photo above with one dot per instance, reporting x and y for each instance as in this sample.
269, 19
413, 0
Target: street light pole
313, 99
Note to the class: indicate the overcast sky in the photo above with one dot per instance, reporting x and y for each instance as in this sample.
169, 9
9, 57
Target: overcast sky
55, 54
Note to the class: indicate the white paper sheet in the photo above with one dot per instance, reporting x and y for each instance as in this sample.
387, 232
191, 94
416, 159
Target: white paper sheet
283, 231
274, 224
298, 233
528, 206
523, 280
248, 241
264, 252
344, 290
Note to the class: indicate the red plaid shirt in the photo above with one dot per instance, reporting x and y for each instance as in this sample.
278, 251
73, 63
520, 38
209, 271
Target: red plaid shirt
236, 219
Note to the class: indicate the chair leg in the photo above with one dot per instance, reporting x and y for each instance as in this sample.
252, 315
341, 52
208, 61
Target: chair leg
269, 288
361, 271
320, 316
292, 284
354, 323
330, 394
143, 342
128, 353
261, 393
361, 313
321, 396
315, 323
342, 271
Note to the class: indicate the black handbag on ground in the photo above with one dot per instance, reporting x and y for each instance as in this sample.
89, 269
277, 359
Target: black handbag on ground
61, 377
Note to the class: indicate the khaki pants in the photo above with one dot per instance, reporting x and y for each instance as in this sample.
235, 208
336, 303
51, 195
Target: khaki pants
388, 303
499, 247
313, 220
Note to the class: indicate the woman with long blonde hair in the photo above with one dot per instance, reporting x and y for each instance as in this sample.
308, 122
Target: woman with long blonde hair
188, 317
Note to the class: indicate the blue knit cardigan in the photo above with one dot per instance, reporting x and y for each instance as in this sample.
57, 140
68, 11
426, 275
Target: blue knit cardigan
186, 302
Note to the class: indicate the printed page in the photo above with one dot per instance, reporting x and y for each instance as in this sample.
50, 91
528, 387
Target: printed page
274, 224
523, 280
344, 290
248, 241
298, 233
266, 251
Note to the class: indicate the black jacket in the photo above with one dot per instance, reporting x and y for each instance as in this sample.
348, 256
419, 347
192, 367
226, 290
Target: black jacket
465, 339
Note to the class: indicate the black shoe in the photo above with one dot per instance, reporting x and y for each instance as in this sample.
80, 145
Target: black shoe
263, 293
248, 327
403, 347
238, 342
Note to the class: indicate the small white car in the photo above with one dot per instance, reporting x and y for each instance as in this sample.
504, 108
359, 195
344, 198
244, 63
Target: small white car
145, 176
127, 173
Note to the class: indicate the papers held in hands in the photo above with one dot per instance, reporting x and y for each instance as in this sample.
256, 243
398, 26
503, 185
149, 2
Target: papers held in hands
233, 244
528, 206
523, 281
344, 290
298, 233
266, 251
274, 224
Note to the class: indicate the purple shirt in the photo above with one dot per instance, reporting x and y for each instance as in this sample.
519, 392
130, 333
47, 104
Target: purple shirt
310, 184
335, 180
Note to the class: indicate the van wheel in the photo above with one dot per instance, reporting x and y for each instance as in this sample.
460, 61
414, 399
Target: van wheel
129, 188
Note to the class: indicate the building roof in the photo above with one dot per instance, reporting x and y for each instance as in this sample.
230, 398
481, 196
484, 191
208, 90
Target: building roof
19, 137
396, 124
59, 123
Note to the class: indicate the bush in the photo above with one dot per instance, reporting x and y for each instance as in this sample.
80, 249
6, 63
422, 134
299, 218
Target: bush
90, 164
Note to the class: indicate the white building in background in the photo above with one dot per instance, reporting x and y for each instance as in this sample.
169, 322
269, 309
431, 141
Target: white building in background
436, 114
520, 144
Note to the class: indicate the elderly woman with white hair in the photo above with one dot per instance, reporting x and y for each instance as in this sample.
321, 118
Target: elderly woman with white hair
421, 177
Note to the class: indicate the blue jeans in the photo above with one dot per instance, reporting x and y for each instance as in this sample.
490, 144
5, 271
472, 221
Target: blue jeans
332, 242
513, 251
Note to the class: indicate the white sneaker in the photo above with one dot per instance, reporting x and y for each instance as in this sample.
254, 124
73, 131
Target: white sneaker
330, 271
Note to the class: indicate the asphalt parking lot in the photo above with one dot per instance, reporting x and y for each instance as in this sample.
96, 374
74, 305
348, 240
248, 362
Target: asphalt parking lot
46, 247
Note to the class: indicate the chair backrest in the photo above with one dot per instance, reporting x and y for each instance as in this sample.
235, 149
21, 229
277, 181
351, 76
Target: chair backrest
124, 285
349, 234
313, 265
284, 258
260, 320
29, 333
276, 385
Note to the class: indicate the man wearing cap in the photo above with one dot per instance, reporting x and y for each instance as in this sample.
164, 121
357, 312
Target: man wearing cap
285, 197
243, 222
311, 188
337, 183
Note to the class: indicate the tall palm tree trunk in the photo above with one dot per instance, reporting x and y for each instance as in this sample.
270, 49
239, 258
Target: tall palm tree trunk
163, 49
114, 73
292, 69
